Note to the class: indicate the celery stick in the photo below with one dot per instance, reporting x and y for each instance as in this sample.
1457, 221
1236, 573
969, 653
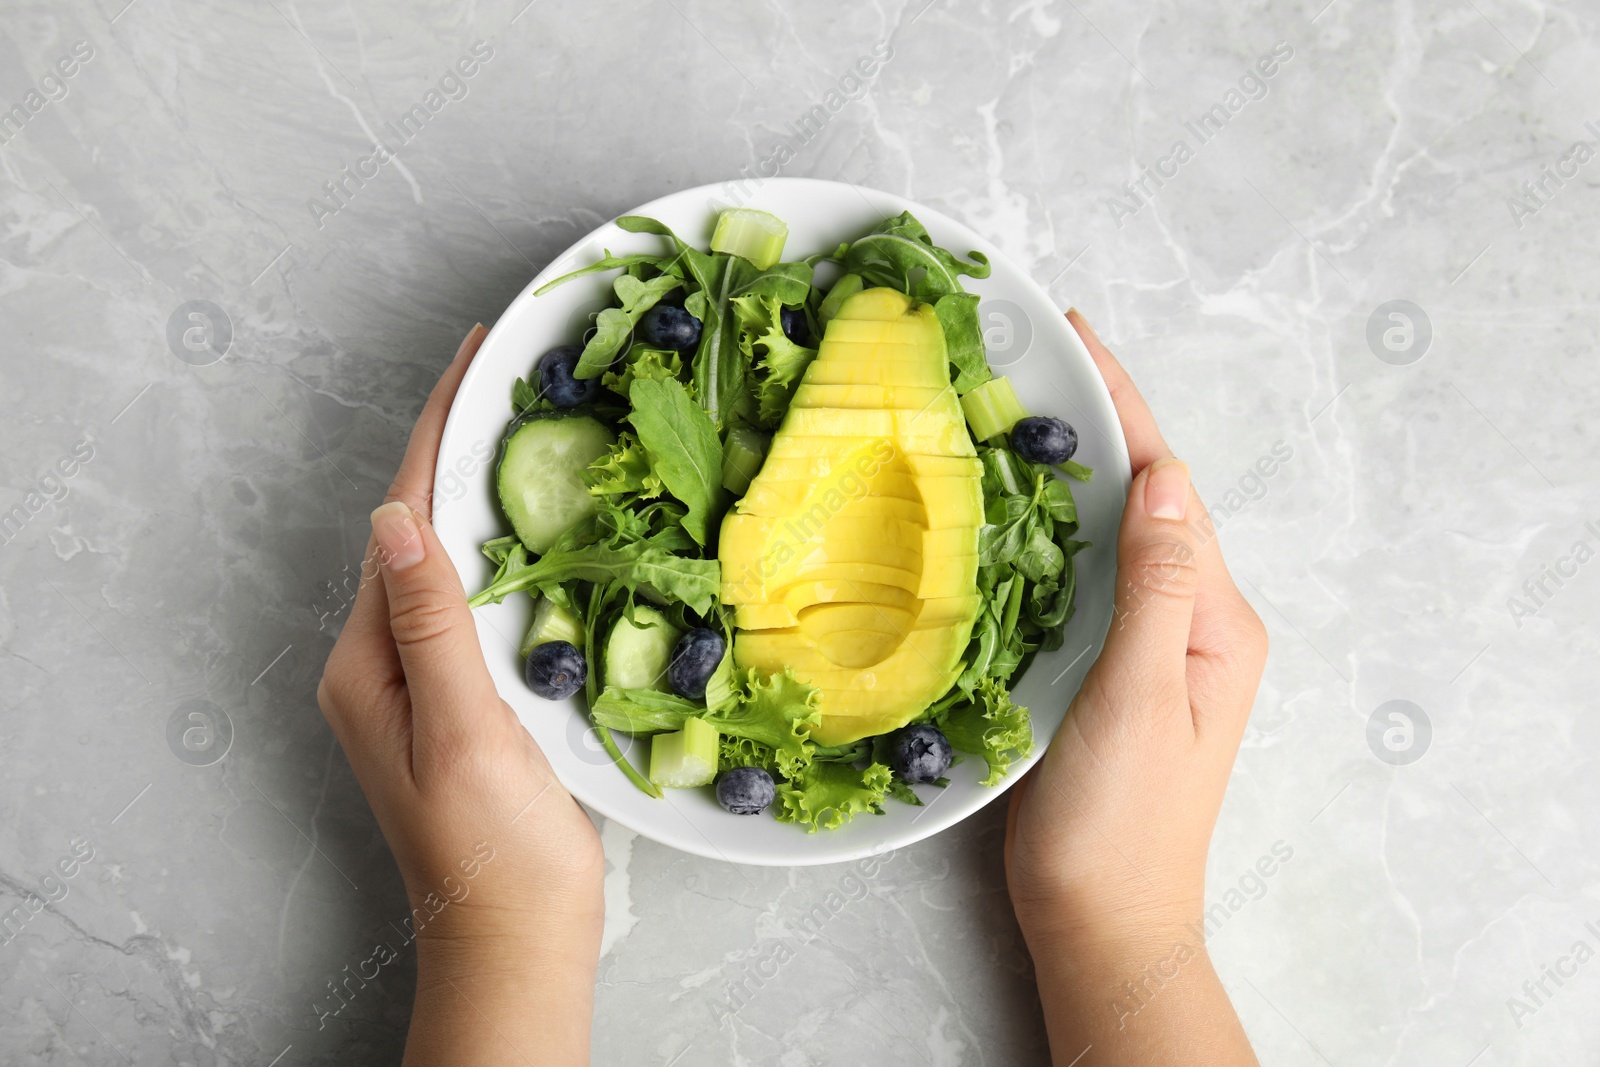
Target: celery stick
551, 622
685, 758
993, 408
756, 235
742, 456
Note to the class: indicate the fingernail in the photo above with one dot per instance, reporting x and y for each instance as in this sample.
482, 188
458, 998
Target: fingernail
1166, 490
399, 539
472, 335
1073, 311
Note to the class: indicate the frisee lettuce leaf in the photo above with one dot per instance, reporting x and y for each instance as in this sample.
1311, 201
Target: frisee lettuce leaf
775, 710
825, 796
642, 362
779, 362
625, 468
989, 725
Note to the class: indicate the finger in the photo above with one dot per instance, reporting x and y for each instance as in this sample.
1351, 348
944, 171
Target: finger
1145, 443
1220, 610
434, 631
1146, 650
369, 616
413, 483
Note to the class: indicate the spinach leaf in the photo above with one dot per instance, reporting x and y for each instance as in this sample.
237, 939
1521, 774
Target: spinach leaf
963, 339
685, 452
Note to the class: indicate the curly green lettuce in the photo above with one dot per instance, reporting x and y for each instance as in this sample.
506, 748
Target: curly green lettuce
825, 796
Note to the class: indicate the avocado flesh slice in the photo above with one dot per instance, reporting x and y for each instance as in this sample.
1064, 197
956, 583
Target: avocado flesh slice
852, 558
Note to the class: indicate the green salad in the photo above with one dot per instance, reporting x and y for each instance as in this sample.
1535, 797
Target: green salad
783, 525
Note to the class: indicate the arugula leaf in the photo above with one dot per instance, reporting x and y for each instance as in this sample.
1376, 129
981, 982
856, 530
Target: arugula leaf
719, 369
991, 726
718, 372
1076, 470
777, 711
786, 283
614, 326
500, 549
963, 339
901, 255
647, 565
609, 262
685, 452
697, 263
825, 796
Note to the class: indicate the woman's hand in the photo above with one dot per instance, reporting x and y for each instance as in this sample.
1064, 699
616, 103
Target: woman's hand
502, 867
1107, 837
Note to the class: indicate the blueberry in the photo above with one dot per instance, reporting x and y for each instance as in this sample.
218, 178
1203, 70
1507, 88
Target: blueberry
745, 790
555, 670
919, 754
556, 382
694, 660
1042, 439
795, 327
665, 326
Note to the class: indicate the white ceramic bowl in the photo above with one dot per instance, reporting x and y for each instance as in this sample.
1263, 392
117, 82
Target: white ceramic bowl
1029, 340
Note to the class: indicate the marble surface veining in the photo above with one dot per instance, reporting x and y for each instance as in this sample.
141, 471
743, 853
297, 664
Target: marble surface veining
1408, 490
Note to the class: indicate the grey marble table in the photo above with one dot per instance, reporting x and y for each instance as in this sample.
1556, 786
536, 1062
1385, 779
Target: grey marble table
1349, 253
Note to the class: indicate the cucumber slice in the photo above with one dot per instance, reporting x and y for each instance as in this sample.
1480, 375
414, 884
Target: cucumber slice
639, 652
993, 408
552, 622
756, 235
842, 290
685, 758
742, 457
540, 479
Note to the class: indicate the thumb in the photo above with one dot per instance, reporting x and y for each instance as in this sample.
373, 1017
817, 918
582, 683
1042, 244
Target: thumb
433, 628
1157, 575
